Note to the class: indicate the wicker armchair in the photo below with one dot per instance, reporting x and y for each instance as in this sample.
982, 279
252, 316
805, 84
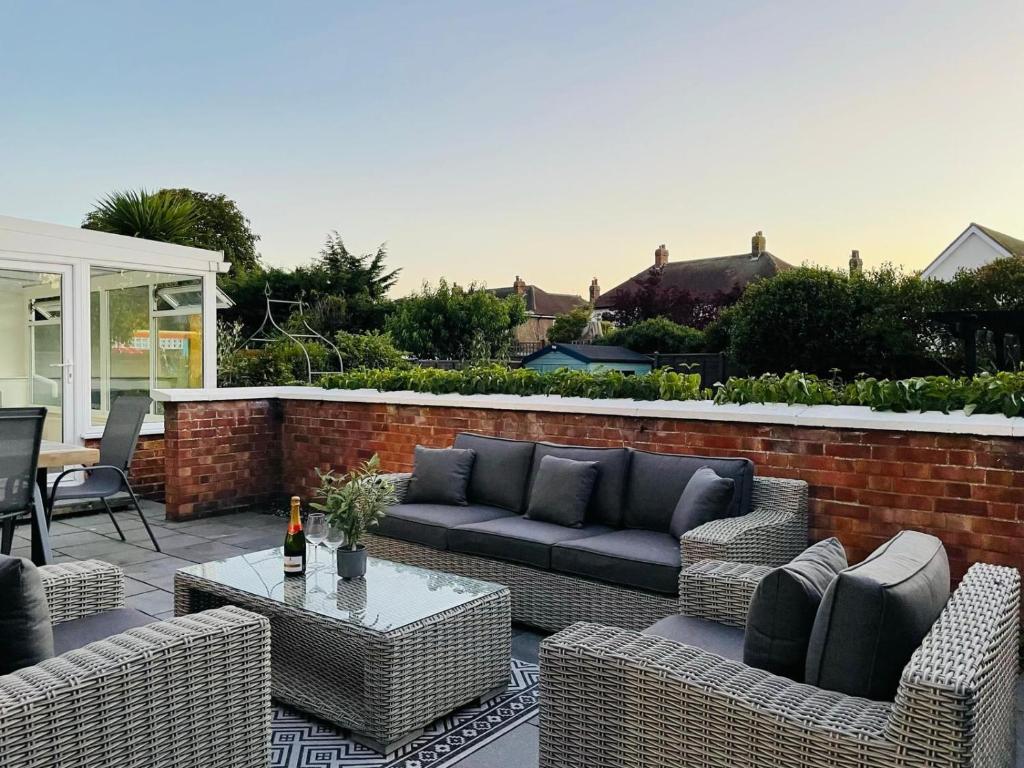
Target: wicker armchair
186, 693
614, 697
773, 533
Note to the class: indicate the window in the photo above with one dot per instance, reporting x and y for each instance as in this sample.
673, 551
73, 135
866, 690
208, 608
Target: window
146, 332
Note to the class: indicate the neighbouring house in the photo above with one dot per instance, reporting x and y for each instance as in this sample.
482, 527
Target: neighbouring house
975, 247
588, 357
541, 308
702, 278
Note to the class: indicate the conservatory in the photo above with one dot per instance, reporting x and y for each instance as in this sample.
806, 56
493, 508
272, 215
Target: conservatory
86, 316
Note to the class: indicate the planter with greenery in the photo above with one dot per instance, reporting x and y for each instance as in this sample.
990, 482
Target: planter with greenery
354, 502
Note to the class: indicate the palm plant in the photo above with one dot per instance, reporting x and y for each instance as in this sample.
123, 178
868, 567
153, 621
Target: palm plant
163, 216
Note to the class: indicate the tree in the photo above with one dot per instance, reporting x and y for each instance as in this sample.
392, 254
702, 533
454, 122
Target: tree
659, 334
652, 299
997, 285
452, 322
219, 225
569, 327
151, 216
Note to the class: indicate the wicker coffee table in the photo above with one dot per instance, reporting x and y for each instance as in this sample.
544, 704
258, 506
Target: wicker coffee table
382, 657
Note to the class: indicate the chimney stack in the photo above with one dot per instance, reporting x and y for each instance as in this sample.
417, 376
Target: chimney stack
519, 285
595, 291
757, 244
661, 256
856, 265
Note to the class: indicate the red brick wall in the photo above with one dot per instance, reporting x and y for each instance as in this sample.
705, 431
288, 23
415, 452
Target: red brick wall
147, 471
865, 486
221, 456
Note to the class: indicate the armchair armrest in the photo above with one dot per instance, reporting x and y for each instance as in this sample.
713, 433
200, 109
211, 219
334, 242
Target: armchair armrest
401, 481
719, 590
191, 692
82, 588
773, 534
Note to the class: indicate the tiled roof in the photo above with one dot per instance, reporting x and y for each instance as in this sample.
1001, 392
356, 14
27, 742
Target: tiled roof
593, 353
1012, 244
540, 302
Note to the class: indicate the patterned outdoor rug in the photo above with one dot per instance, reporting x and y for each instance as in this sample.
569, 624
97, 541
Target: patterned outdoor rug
300, 742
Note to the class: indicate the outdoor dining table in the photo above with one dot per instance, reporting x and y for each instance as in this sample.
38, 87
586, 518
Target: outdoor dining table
52, 455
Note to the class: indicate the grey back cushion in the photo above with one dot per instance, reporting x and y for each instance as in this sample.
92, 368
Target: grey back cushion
657, 480
440, 476
26, 636
612, 465
501, 470
705, 498
561, 491
784, 606
874, 616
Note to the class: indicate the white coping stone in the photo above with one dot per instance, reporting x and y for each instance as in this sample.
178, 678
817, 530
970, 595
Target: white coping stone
834, 416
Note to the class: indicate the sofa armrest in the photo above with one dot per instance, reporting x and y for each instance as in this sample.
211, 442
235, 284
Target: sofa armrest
191, 692
401, 481
719, 590
614, 697
773, 534
82, 588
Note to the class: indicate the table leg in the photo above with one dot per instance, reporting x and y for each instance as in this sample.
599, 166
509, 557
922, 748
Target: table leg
41, 554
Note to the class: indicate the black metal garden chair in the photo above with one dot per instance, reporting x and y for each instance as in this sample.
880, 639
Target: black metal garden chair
21, 431
110, 476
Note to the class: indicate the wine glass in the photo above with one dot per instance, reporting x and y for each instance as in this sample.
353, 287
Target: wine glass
333, 540
316, 530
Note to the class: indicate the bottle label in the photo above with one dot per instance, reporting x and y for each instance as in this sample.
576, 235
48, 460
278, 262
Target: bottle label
293, 564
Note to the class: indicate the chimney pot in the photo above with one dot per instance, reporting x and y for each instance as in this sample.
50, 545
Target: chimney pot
856, 264
757, 244
595, 291
661, 256
519, 285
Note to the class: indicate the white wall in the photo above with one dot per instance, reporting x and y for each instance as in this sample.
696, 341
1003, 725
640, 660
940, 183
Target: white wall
973, 252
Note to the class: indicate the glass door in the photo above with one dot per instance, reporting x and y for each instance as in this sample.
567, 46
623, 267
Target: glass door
35, 344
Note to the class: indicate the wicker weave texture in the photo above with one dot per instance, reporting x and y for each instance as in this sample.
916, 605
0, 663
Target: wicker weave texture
381, 685
82, 588
191, 692
720, 591
612, 697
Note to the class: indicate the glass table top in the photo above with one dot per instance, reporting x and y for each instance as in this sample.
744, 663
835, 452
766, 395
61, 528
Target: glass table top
391, 595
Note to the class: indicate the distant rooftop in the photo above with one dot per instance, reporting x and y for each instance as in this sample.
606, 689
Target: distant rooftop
593, 353
540, 302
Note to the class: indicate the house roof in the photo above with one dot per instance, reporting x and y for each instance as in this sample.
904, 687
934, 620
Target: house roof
1011, 246
540, 302
592, 353
705, 277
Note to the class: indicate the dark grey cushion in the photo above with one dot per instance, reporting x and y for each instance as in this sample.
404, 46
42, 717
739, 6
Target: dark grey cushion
783, 608
645, 560
874, 616
77, 633
719, 639
612, 465
657, 480
440, 476
428, 524
501, 471
26, 637
561, 491
705, 498
516, 539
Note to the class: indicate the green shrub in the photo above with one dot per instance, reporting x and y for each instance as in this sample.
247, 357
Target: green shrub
368, 350
659, 334
569, 327
281, 362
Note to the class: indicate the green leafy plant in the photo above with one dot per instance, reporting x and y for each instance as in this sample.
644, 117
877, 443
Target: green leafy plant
164, 216
368, 350
355, 501
568, 327
658, 334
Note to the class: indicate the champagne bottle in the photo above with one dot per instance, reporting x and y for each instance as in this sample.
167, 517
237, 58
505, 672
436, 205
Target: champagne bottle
295, 544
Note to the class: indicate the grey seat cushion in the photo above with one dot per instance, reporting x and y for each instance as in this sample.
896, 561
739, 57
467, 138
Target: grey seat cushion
428, 524
874, 616
501, 471
26, 637
561, 491
784, 606
605, 505
657, 481
69, 635
517, 539
645, 560
719, 639
440, 476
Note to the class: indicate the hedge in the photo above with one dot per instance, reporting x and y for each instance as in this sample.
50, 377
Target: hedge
986, 393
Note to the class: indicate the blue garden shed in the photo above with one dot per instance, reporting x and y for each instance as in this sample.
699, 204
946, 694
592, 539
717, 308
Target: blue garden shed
588, 357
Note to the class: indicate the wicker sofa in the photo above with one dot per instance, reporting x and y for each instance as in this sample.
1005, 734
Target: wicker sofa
770, 532
190, 692
614, 696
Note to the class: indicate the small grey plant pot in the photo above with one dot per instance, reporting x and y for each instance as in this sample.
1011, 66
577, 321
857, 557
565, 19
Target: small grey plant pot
352, 562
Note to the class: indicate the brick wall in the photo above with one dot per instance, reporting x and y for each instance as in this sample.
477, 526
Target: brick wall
865, 485
147, 471
221, 456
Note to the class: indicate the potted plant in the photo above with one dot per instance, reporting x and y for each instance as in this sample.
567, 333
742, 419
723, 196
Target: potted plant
354, 502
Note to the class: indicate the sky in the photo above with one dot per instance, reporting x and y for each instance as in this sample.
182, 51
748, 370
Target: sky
554, 140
